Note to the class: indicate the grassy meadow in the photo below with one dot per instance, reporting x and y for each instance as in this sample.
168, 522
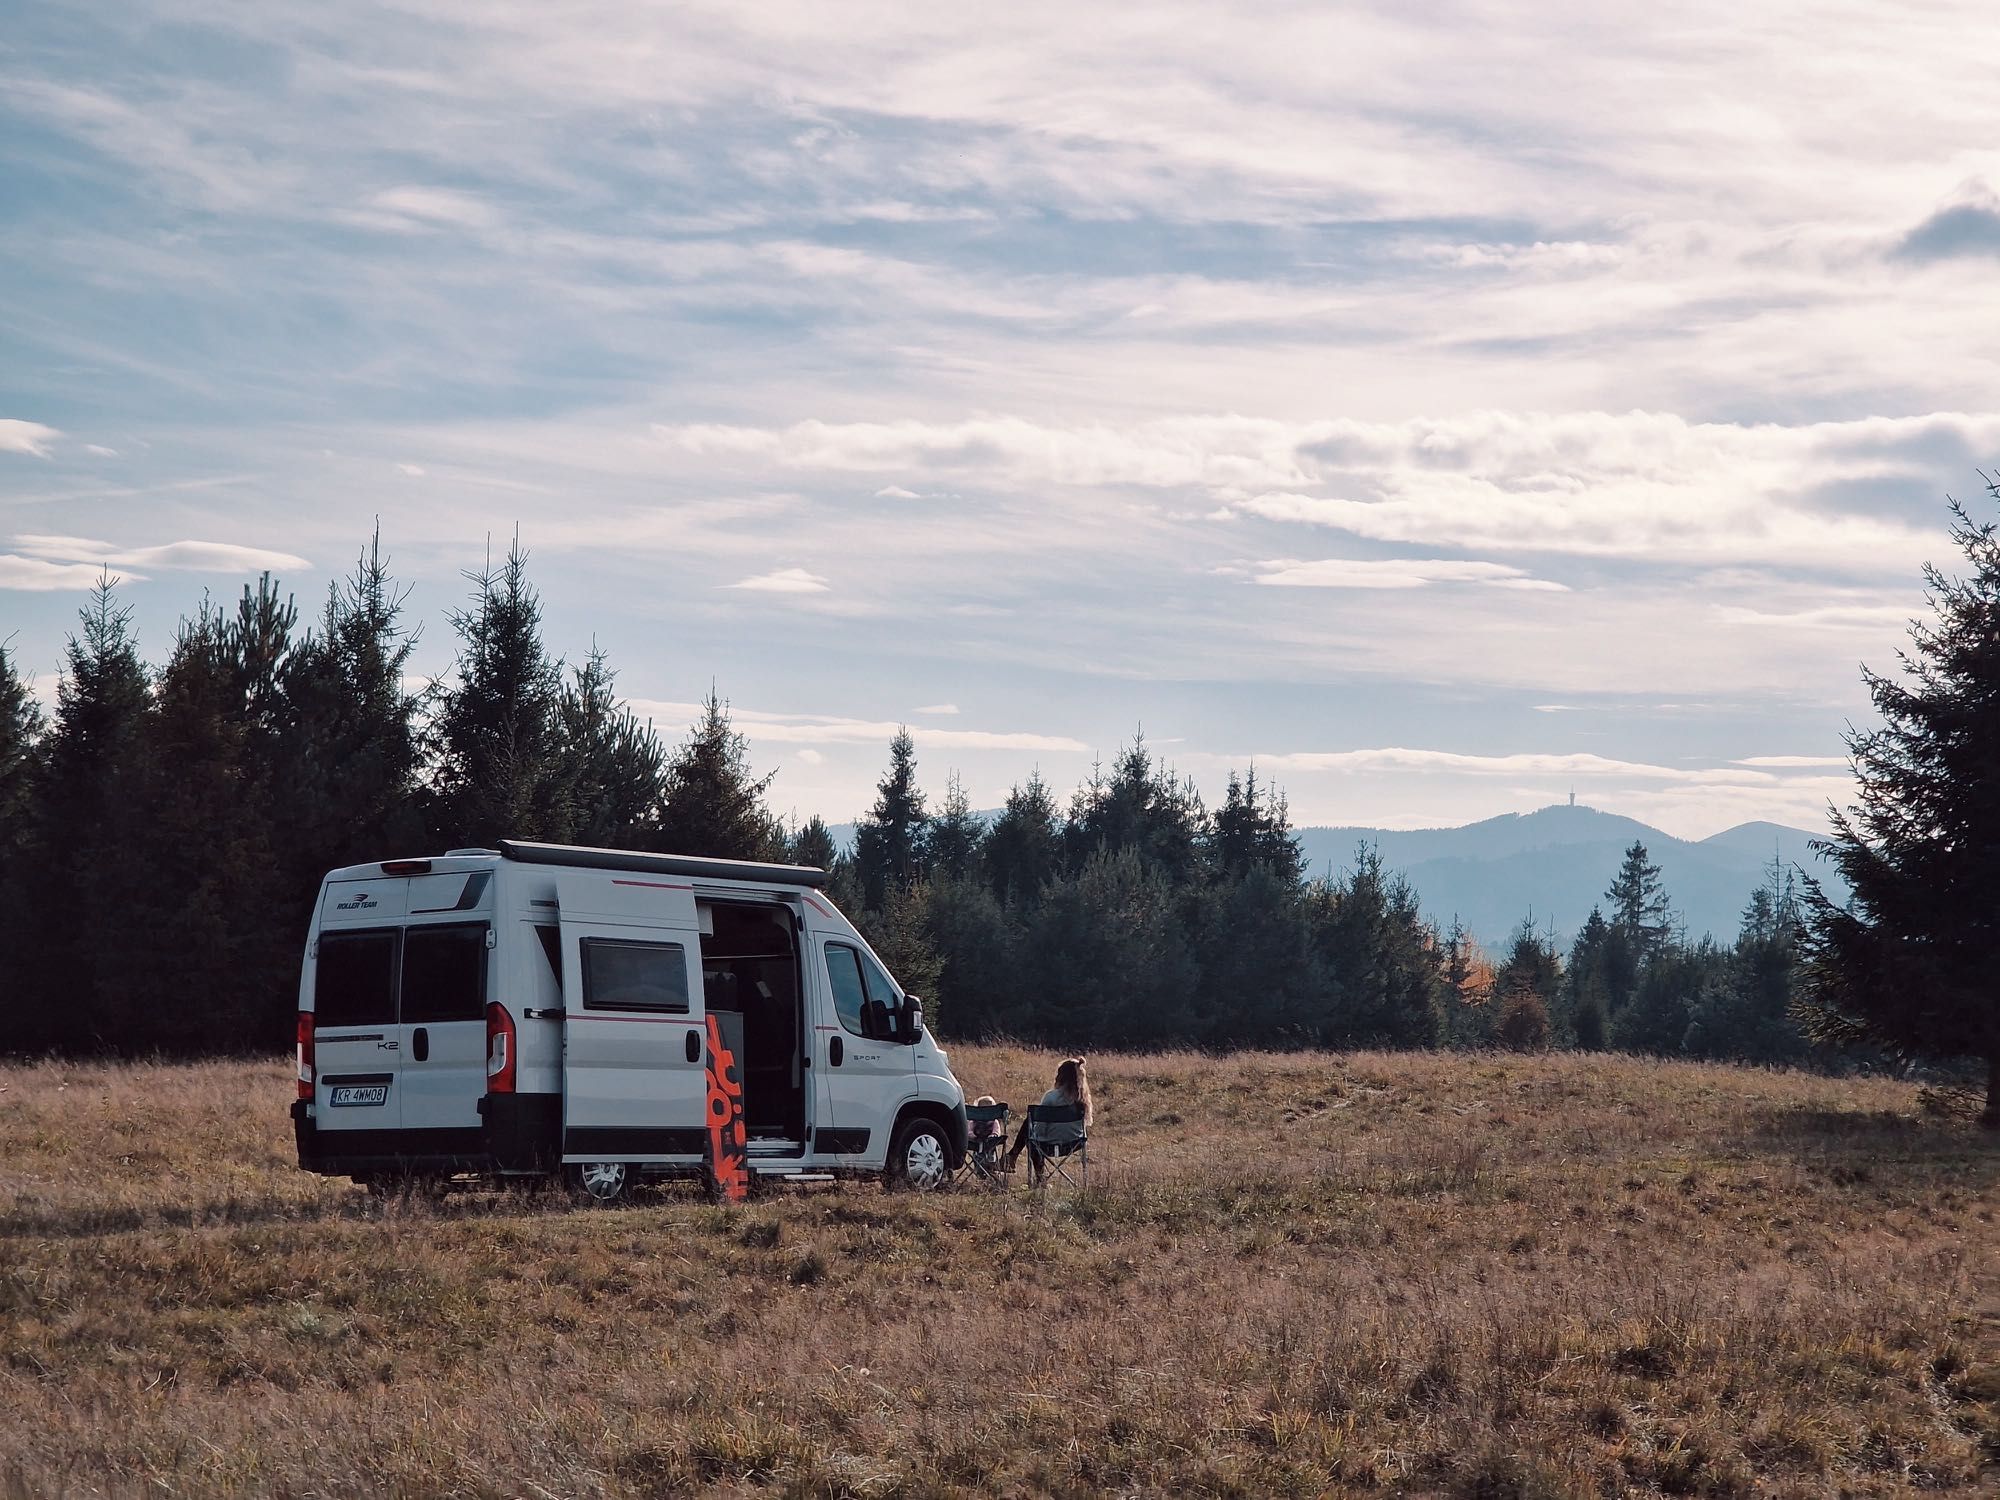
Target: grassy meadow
1369, 1273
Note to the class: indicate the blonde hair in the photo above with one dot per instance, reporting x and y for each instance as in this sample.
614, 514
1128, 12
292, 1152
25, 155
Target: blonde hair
1070, 1080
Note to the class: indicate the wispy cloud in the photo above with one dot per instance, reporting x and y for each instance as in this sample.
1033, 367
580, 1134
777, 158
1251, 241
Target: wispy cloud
1573, 764
412, 208
32, 438
983, 348
823, 729
784, 581
186, 556
938, 708
1637, 484
36, 575
1395, 573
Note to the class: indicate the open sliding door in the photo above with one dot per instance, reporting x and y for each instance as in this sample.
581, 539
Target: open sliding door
634, 1085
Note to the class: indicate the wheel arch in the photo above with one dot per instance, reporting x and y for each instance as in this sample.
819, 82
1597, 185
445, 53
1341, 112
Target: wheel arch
948, 1120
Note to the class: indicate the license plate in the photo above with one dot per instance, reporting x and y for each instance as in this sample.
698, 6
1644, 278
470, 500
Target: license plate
359, 1093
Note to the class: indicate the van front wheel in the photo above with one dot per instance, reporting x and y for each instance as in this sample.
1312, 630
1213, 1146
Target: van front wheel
918, 1159
600, 1182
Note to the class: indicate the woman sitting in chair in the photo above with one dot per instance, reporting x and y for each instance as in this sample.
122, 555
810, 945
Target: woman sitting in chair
1056, 1138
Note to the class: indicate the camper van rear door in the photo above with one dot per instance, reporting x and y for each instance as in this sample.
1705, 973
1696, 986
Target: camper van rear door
442, 1062
356, 1039
634, 1089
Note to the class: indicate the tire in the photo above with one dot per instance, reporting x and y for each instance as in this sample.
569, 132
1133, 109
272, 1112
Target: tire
602, 1183
919, 1159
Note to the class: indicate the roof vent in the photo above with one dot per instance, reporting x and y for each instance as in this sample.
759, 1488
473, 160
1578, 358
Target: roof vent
495, 853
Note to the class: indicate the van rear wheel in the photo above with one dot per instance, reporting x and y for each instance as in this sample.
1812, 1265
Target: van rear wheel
918, 1158
600, 1182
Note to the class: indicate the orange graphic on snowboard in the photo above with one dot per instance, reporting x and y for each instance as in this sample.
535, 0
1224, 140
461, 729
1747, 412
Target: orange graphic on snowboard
728, 1143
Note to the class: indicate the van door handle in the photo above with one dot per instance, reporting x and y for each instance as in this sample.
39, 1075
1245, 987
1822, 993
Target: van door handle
834, 1053
694, 1046
420, 1045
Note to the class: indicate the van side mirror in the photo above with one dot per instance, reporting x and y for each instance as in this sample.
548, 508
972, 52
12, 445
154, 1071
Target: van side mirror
913, 1020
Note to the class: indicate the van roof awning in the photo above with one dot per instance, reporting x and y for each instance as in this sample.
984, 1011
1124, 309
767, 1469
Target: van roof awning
693, 866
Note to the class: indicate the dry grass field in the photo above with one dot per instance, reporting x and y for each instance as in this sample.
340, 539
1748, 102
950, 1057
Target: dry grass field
1371, 1273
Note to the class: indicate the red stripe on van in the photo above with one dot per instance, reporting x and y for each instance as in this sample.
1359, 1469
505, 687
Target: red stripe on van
655, 885
639, 1020
824, 911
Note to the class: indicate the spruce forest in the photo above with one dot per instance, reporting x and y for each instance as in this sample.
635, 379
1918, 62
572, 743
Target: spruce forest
163, 832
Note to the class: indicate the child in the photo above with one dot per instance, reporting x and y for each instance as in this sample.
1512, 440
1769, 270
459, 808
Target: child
985, 1134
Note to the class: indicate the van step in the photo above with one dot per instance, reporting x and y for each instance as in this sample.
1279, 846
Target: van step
790, 1174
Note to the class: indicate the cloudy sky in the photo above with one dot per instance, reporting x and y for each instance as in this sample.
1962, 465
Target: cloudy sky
1440, 411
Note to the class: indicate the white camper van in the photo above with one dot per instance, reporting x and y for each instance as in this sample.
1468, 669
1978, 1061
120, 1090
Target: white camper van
542, 1008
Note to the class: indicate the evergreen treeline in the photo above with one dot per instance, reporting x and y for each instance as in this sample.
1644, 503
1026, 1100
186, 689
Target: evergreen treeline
163, 833
1137, 917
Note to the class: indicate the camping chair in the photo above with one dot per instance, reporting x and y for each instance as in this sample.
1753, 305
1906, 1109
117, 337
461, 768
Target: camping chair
986, 1146
1058, 1141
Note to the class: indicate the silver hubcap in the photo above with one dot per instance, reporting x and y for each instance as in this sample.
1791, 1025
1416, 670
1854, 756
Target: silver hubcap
603, 1180
923, 1161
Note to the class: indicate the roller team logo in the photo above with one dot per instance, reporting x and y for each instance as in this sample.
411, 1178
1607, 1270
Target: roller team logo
728, 1144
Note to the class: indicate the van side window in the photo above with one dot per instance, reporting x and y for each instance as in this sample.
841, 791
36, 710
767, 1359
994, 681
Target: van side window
867, 1007
618, 975
444, 973
354, 979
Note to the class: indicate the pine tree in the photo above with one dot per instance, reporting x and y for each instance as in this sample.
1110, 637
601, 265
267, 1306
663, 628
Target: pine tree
203, 958
1384, 963
899, 934
1586, 986
1023, 850
1657, 1016
497, 763
955, 834
713, 805
1107, 957
350, 756
890, 843
811, 845
1253, 828
20, 759
1744, 1011
615, 766
1260, 978
1908, 964
1523, 987
978, 949
20, 775
1639, 904
92, 796
1468, 1009
1141, 806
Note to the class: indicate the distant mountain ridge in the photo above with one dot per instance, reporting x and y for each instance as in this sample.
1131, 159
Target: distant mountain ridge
1555, 864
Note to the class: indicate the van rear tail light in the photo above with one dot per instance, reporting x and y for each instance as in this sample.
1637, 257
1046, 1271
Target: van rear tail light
500, 1055
306, 1058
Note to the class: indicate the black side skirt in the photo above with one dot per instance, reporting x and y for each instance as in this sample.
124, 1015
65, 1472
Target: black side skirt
615, 1143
